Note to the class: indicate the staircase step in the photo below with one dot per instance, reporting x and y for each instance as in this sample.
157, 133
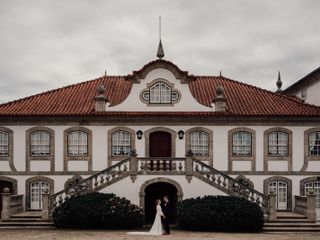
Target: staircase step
24, 220
291, 229
292, 221
30, 215
26, 224
290, 215
293, 225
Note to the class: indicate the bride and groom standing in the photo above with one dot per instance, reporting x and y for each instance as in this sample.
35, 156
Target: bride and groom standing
161, 220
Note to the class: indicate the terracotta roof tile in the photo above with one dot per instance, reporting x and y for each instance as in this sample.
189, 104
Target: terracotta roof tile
78, 99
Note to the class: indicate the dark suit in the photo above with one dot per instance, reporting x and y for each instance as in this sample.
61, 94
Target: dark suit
167, 212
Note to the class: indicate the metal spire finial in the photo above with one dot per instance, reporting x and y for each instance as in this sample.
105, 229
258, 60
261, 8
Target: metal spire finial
160, 52
220, 74
279, 83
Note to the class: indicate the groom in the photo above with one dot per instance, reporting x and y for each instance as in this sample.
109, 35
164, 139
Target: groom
166, 209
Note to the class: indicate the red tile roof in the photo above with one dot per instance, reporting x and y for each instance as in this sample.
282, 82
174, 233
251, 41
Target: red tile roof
78, 99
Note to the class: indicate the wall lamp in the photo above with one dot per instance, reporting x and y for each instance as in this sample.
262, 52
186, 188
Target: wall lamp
181, 134
139, 134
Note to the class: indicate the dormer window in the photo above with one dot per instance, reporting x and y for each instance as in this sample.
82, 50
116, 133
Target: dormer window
160, 92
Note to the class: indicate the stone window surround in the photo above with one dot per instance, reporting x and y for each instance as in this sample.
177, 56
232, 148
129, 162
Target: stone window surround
11, 180
10, 148
210, 143
289, 189
251, 158
132, 143
160, 129
306, 149
307, 180
68, 158
268, 158
34, 179
155, 81
142, 192
50, 158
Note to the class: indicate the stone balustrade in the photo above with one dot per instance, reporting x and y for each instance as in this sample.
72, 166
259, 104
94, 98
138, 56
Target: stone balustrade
156, 165
11, 204
306, 205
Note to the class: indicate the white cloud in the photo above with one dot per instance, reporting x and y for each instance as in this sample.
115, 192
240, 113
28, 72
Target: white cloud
51, 43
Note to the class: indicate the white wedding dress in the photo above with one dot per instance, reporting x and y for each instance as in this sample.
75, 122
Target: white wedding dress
156, 228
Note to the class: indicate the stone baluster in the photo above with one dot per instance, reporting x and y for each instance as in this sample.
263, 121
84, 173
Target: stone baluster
133, 165
189, 165
272, 206
311, 206
45, 204
5, 213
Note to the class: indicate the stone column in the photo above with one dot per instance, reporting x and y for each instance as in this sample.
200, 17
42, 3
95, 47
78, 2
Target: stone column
6, 211
189, 165
133, 168
311, 206
272, 207
45, 205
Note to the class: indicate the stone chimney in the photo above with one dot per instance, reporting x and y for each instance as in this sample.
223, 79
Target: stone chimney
219, 100
100, 99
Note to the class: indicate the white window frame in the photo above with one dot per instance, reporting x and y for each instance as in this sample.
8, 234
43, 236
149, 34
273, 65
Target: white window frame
314, 186
40, 143
280, 188
314, 144
199, 143
4, 144
241, 145
121, 143
278, 144
77, 142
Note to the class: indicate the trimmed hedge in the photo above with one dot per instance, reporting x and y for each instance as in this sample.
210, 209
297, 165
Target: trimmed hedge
98, 210
220, 213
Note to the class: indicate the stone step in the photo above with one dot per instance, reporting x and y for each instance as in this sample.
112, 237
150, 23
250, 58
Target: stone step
20, 219
292, 225
26, 224
290, 229
31, 215
289, 220
290, 215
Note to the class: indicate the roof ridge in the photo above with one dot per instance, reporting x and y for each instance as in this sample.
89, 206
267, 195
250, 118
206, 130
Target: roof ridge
261, 89
57, 89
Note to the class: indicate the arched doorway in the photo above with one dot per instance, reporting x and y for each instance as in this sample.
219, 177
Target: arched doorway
158, 191
160, 144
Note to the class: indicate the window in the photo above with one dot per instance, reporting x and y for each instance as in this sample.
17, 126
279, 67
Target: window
40, 143
279, 188
160, 92
4, 144
314, 144
199, 144
77, 143
241, 144
315, 186
278, 144
121, 143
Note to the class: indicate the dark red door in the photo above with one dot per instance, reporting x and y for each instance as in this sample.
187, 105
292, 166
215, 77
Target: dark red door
160, 144
4, 184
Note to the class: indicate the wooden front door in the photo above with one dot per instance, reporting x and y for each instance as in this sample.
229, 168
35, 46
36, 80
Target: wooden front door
160, 144
3, 185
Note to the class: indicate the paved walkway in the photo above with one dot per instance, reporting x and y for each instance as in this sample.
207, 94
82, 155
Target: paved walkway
50, 234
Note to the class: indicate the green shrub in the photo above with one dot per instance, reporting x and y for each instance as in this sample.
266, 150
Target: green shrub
220, 213
98, 210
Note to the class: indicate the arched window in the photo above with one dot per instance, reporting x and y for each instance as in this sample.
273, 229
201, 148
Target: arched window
199, 143
314, 144
279, 188
77, 143
121, 143
40, 143
314, 186
241, 143
4, 144
35, 187
278, 144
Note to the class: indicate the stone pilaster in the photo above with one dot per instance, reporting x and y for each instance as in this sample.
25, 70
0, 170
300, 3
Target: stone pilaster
272, 207
6, 211
45, 205
311, 206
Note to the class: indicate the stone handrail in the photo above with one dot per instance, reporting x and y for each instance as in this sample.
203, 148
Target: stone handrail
11, 204
228, 184
154, 165
306, 206
93, 183
300, 204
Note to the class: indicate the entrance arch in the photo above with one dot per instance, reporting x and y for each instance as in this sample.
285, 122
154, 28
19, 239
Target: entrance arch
158, 188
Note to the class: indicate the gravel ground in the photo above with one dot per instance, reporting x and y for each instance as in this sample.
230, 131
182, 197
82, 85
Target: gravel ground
49, 234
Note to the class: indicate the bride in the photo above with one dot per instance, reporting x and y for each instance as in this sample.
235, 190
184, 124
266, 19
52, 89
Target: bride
156, 228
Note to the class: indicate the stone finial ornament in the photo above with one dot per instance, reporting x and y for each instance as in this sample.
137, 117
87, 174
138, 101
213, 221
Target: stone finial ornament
6, 190
220, 100
279, 83
100, 99
160, 52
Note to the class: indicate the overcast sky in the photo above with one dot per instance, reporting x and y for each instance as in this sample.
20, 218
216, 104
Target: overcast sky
46, 44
